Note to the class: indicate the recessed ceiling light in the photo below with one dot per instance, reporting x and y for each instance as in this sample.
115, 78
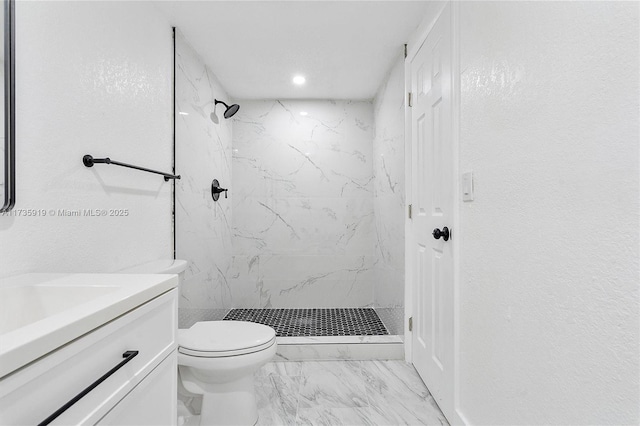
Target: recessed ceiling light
183, 113
298, 79
303, 113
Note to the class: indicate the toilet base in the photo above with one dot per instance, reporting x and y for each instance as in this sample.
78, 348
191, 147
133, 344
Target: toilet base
231, 403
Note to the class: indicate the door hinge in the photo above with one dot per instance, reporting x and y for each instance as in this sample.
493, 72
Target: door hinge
410, 323
410, 211
405, 50
409, 99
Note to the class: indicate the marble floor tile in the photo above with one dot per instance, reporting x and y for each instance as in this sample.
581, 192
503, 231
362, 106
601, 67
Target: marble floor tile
401, 413
277, 399
291, 368
393, 380
397, 395
332, 384
336, 393
339, 368
334, 417
331, 391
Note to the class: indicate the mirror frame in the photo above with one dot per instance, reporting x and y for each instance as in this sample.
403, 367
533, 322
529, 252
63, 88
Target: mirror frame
9, 107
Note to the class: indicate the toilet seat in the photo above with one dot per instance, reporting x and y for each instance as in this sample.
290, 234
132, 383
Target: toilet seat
214, 339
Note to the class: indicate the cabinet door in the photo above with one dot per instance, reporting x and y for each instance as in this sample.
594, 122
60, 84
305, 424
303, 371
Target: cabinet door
31, 394
152, 402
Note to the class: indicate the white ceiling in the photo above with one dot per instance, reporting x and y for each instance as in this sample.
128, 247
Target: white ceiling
343, 48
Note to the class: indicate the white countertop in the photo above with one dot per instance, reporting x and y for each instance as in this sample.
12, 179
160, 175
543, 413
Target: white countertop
41, 312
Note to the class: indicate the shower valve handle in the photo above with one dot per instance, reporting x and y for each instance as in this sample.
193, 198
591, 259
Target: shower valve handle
219, 190
216, 190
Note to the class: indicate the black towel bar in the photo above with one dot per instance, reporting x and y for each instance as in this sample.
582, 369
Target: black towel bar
89, 161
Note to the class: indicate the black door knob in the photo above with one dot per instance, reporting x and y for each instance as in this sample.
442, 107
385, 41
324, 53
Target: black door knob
444, 233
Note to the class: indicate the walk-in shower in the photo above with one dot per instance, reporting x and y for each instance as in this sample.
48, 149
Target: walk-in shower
310, 238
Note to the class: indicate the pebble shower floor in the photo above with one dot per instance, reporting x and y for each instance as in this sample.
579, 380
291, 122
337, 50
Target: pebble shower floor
314, 322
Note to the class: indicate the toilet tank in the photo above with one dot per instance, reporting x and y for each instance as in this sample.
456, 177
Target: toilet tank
163, 266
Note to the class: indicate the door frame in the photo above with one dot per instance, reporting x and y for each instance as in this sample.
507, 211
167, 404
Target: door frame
417, 40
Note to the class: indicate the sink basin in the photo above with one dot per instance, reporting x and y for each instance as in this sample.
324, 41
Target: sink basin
42, 312
21, 306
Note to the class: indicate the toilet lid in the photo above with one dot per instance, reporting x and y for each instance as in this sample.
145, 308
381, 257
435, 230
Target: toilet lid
225, 338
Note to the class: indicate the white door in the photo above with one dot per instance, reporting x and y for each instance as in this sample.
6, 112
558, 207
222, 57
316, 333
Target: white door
432, 204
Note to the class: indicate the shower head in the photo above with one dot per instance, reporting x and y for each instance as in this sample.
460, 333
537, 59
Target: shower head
230, 110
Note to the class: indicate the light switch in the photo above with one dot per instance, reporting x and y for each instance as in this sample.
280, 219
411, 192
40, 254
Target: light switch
467, 186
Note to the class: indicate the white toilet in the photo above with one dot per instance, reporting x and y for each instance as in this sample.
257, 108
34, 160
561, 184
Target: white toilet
217, 359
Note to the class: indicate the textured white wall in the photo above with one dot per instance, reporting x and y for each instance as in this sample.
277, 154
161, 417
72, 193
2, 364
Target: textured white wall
388, 198
549, 284
203, 153
303, 204
92, 78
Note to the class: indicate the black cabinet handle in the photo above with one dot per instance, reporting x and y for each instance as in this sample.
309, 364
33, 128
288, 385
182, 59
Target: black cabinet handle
128, 356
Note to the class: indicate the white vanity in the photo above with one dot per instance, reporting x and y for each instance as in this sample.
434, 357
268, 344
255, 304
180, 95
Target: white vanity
103, 345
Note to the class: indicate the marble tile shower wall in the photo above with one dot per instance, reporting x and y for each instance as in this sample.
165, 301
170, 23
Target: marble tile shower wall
303, 221
389, 199
203, 153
